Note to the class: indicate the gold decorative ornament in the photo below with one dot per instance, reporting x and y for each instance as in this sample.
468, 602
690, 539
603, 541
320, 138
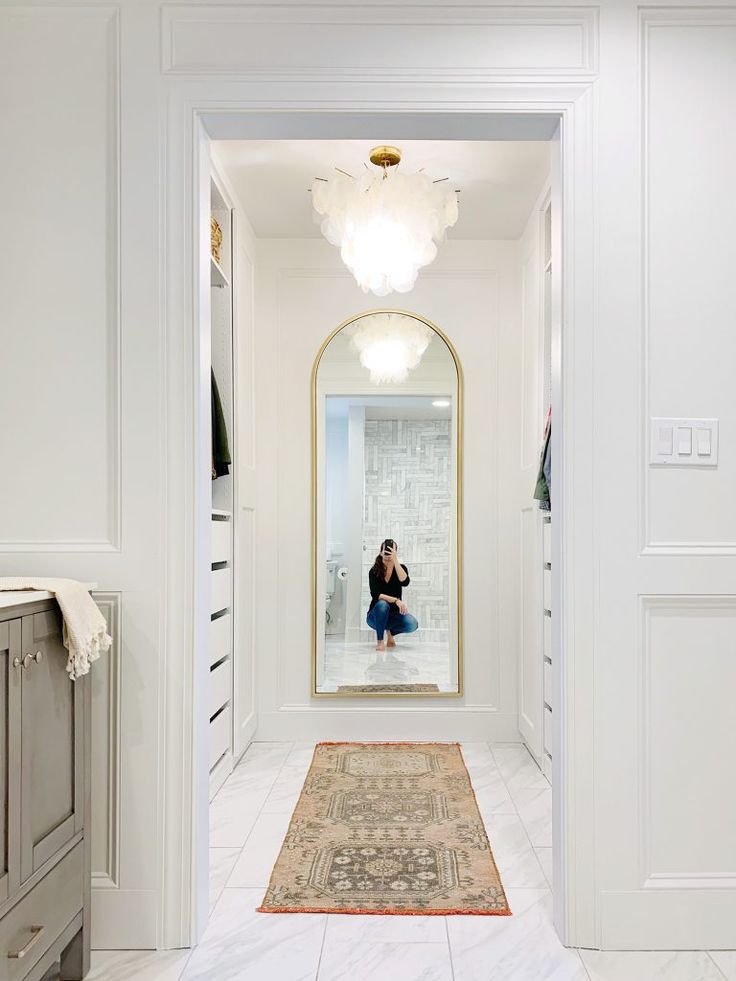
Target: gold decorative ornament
385, 156
215, 239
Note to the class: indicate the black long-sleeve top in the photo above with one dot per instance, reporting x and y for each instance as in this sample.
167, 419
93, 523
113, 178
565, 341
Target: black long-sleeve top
378, 585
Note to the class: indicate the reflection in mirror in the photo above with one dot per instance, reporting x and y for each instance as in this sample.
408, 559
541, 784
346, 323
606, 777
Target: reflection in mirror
387, 406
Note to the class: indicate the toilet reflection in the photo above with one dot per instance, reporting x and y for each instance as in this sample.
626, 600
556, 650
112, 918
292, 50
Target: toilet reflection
387, 405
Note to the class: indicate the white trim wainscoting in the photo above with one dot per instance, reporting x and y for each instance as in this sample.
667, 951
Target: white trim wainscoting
109, 112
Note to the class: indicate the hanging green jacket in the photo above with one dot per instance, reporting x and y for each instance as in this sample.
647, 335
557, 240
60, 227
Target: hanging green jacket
541, 490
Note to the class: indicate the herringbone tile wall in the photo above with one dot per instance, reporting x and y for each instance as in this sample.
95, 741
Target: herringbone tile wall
407, 497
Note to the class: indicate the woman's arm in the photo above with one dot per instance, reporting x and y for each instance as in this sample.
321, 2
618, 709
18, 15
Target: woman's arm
399, 568
389, 599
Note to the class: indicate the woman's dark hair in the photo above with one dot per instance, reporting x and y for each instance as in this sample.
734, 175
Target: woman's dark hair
378, 566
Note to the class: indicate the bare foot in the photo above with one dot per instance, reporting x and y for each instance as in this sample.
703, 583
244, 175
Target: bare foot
391, 641
380, 646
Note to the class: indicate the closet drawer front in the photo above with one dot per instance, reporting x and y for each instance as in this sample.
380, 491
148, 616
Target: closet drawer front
220, 686
220, 638
50, 906
547, 636
219, 736
221, 541
220, 590
548, 730
547, 588
547, 541
548, 684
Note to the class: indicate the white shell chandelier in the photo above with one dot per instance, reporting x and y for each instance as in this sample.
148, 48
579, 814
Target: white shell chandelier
386, 223
389, 345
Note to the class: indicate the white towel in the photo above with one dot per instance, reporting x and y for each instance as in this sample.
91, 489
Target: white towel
85, 633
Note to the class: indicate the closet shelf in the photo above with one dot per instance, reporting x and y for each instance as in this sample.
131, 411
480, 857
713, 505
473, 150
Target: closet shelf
217, 274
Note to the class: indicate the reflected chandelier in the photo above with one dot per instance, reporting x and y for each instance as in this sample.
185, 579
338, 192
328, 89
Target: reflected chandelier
386, 223
390, 345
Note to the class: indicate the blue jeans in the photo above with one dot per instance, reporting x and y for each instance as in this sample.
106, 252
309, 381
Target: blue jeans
385, 616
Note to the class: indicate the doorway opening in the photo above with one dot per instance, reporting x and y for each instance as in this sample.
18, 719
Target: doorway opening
270, 290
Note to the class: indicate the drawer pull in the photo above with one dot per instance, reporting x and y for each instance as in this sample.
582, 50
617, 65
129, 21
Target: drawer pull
38, 657
36, 932
27, 660
16, 662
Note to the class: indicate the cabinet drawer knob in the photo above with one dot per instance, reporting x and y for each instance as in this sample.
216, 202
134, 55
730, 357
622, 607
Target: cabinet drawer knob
36, 932
16, 662
27, 658
38, 657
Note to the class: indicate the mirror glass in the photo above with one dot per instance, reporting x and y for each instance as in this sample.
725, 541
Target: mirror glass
387, 425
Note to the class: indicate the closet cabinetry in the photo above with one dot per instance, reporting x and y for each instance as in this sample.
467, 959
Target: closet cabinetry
44, 779
220, 652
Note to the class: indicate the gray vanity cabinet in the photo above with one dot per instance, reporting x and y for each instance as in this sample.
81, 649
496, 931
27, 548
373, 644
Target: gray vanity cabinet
52, 732
44, 777
10, 652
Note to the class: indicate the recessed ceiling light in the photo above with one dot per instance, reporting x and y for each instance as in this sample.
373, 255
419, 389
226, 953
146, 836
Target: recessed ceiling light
441, 403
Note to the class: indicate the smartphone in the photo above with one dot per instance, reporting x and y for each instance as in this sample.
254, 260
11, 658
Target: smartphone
387, 546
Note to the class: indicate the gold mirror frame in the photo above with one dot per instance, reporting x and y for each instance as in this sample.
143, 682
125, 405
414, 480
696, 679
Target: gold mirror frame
458, 510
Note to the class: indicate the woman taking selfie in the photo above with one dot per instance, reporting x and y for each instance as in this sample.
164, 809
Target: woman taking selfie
388, 613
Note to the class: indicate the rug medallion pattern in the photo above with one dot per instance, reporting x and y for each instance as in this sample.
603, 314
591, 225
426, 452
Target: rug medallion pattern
386, 828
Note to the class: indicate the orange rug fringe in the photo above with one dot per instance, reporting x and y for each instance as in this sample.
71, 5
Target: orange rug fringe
384, 912
413, 742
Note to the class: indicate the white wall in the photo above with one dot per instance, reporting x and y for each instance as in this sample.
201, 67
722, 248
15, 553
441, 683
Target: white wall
99, 100
302, 293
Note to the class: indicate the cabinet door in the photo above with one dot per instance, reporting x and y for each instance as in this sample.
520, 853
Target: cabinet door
52, 791
10, 655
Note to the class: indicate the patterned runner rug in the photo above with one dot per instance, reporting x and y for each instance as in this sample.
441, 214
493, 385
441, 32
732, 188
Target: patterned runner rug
386, 828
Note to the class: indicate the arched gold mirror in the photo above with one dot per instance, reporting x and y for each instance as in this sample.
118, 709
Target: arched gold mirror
387, 509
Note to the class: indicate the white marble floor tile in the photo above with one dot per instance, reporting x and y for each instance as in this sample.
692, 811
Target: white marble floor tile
726, 961
534, 805
517, 767
232, 817
141, 965
365, 961
257, 859
476, 753
489, 788
516, 859
286, 789
636, 965
222, 861
545, 860
301, 754
522, 947
242, 945
352, 928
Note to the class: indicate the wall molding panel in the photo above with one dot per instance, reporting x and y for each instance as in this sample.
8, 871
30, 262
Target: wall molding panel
687, 674
106, 749
387, 42
91, 148
672, 37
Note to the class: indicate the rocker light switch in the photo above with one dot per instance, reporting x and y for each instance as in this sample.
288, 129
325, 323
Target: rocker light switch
683, 442
702, 437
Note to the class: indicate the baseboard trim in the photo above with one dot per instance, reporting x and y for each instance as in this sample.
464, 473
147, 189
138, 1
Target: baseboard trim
478, 723
124, 919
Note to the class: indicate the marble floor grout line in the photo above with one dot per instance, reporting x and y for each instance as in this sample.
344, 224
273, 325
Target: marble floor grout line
321, 952
258, 813
449, 948
516, 807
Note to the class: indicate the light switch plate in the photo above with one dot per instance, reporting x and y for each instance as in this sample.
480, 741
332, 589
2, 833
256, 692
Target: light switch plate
683, 442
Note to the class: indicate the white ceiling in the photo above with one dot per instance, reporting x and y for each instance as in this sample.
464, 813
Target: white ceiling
499, 181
